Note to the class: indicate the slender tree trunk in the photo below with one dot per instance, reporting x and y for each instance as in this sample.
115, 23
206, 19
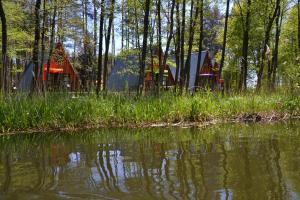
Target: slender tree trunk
161, 68
178, 39
276, 49
298, 25
170, 33
182, 75
95, 27
137, 31
100, 48
191, 39
151, 49
144, 50
4, 47
107, 41
52, 37
43, 38
35, 57
122, 25
265, 45
200, 45
224, 39
244, 71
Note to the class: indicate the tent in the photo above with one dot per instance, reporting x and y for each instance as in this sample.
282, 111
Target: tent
124, 74
205, 67
61, 66
26, 78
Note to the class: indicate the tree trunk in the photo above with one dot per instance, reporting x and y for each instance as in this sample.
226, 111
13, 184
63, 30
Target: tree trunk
265, 46
151, 48
200, 45
4, 48
52, 37
191, 39
161, 68
144, 50
182, 75
95, 27
35, 54
137, 34
244, 71
298, 25
276, 49
100, 48
43, 38
224, 39
107, 41
178, 39
170, 33
122, 25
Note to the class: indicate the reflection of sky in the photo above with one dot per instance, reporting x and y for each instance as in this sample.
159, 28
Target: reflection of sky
74, 159
224, 194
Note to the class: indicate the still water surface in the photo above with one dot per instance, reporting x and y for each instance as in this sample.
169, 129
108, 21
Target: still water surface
260, 161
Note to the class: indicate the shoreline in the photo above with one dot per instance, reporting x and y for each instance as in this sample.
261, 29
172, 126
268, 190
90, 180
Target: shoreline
245, 118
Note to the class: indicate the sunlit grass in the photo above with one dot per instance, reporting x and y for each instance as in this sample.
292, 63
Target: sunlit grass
62, 110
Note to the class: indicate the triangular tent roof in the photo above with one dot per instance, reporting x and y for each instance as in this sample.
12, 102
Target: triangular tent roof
60, 64
193, 67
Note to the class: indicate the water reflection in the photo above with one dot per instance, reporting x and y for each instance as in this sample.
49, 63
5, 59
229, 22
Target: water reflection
223, 162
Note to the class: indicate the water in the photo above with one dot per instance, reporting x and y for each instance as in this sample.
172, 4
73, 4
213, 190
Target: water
259, 161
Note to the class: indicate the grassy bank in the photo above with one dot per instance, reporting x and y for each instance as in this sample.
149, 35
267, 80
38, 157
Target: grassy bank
60, 111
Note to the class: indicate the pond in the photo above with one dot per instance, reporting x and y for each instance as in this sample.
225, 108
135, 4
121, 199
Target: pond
232, 161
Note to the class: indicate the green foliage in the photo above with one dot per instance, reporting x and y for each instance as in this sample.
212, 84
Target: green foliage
289, 53
20, 30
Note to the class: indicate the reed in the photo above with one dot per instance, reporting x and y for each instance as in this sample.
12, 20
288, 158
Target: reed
60, 110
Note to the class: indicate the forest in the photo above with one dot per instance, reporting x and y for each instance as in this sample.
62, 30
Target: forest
100, 51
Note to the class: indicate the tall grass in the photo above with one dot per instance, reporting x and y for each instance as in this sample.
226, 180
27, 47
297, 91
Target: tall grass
64, 111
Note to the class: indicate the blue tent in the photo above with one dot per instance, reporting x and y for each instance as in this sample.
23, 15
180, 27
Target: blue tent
25, 82
26, 78
193, 67
124, 74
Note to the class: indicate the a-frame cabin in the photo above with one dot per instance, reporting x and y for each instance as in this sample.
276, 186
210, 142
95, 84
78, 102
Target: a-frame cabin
61, 73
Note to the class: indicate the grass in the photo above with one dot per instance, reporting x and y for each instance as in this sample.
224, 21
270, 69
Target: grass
63, 111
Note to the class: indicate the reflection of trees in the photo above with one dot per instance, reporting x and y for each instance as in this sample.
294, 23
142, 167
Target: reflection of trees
153, 165
225, 176
7, 177
281, 184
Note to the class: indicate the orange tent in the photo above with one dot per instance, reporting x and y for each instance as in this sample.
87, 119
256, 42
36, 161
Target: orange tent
60, 64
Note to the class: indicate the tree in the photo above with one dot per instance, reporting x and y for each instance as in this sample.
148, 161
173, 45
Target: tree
43, 34
4, 48
190, 44
177, 44
95, 27
161, 68
170, 33
144, 48
107, 42
268, 30
100, 48
200, 44
35, 54
273, 71
245, 48
182, 70
52, 38
298, 6
224, 38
